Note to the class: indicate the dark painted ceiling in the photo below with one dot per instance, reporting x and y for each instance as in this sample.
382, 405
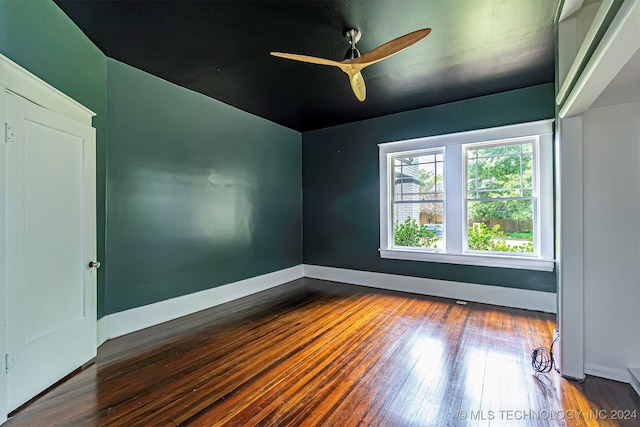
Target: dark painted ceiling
221, 49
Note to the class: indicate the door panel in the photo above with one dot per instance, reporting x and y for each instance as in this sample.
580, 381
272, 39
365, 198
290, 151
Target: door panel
50, 190
52, 153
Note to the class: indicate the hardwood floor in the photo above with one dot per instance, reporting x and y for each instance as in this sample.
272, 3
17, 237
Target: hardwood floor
319, 353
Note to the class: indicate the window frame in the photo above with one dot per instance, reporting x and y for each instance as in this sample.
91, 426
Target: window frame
455, 213
392, 202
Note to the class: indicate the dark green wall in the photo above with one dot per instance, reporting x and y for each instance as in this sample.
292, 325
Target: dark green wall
200, 194
37, 35
341, 185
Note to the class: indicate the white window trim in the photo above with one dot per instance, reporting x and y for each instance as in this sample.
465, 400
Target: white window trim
454, 205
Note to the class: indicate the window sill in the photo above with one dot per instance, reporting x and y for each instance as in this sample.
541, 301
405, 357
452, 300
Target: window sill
501, 261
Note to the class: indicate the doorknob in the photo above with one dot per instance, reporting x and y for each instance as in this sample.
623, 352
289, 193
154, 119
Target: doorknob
94, 264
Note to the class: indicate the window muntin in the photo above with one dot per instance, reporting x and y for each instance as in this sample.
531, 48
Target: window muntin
501, 198
418, 200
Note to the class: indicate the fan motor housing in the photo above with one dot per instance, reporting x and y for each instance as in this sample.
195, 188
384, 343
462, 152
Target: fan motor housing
353, 36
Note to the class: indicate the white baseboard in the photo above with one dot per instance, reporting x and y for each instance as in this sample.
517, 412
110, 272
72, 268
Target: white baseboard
607, 372
125, 322
138, 318
496, 295
635, 379
102, 332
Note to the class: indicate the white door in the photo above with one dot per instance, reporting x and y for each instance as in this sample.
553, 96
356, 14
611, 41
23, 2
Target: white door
50, 241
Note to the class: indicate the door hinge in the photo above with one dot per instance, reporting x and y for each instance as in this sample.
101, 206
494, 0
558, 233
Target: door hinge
9, 133
8, 362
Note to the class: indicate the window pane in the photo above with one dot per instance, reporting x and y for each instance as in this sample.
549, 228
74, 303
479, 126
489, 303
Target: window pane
527, 170
418, 200
418, 224
500, 226
500, 172
419, 177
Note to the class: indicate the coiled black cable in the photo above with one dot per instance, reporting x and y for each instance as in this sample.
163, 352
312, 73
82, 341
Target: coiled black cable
542, 358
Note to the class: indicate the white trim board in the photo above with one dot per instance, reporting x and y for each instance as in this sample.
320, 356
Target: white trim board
27, 85
616, 374
102, 327
570, 246
618, 45
496, 295
568, 7
588, 41
635, 379
138, 318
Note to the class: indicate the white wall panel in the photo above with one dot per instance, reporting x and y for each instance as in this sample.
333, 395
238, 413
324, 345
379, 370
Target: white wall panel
611, 154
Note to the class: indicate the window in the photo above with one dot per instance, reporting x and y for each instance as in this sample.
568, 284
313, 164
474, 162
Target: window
481, 198
500, 196
418, 199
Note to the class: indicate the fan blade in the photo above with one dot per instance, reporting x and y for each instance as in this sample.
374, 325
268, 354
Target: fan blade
390, 48
309, 59
358, 86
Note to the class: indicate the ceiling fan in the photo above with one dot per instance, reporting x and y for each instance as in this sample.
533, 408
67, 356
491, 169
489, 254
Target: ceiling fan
353, 63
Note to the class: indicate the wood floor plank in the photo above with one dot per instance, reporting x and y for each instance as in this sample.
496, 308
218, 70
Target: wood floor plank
325, 354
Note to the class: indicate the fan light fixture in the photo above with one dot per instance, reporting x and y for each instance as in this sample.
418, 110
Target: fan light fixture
353, 63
